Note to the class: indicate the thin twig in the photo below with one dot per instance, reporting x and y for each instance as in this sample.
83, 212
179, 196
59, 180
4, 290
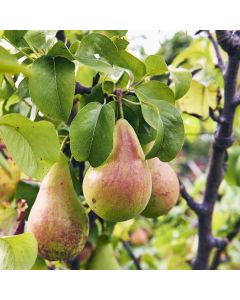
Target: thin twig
196, 207
131, 254
221, 64
22, 209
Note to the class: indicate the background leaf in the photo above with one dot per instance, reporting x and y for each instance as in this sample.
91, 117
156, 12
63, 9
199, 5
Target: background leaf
34, 146
91, 133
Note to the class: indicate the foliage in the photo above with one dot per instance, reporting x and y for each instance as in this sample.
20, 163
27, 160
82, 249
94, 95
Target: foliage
65, 95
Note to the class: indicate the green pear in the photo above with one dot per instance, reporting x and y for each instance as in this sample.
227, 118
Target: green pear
120, 189
104, 257
57, 218
165, 189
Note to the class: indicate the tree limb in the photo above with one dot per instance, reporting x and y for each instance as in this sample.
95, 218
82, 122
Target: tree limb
222, 140
229, 41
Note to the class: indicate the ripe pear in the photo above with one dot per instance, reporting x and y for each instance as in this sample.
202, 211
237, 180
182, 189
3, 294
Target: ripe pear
120, 189
57, 218
104, 257
8, 181
165, 189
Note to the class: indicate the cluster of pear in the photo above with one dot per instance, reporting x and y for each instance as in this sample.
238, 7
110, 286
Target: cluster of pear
125, 186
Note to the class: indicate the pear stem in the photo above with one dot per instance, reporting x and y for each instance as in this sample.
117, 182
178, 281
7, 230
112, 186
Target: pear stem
119, 98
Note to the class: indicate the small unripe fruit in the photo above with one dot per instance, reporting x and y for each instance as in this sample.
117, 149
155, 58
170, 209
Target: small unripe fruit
104, 257
165, 189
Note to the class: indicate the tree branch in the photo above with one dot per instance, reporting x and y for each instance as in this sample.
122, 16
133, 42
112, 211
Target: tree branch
217, 257
61, 36
196, 207
221, 64
222, 140
131, 254
229, 41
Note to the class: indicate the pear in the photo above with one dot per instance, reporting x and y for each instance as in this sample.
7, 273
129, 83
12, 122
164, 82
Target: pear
104, 257
57, 218
139, 236
120, 189
165, 189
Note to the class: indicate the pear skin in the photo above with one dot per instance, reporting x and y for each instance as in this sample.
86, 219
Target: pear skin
104, 257
165, 189
57, 218
120, 189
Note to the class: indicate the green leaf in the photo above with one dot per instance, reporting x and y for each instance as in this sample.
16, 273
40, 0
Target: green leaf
35, 39
6, 89
182, 81
150, 114
9, 64
52, 86
123, 81
74, 47
157, 142
18, 252
130, 115
96, 95
60, 50
97, 51
34, 146
108, 87
173, 136
127, 61
91, 133
85, 75
120, 42
154, 90
112, 33
16, 37
155, 65
22, 90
